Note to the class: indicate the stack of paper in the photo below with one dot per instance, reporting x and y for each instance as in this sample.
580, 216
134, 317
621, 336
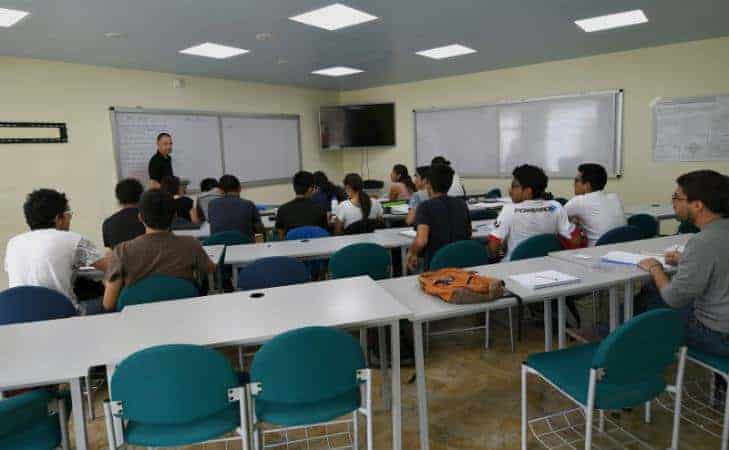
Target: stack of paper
540, 280
630, 259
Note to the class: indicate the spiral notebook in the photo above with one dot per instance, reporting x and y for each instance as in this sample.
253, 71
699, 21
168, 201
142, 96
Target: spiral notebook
541, 280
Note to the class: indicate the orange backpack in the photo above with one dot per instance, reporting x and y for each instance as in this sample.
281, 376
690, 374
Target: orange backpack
460, 287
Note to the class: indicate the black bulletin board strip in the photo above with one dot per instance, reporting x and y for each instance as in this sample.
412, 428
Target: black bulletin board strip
61, 139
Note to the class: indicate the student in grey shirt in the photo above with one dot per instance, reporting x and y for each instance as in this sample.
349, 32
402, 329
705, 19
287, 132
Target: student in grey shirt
700, 287
209, 191
421, 195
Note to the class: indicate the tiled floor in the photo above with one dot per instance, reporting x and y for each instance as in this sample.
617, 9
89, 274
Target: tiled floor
474, 401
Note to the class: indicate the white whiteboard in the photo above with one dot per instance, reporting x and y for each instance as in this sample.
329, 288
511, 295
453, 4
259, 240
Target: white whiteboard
258, 149
691, 129
557, 134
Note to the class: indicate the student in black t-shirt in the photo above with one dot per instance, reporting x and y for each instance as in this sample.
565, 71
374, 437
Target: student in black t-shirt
440, 220
183, 204
301, 211
124, 225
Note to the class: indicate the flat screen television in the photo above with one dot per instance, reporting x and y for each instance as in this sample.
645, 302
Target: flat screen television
352, 126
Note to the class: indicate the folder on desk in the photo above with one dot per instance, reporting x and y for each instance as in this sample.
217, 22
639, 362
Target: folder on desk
629, 259
545, 279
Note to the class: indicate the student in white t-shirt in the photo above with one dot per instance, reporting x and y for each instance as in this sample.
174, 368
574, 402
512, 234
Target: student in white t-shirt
593, 209
529, 214
359, 205
49, 255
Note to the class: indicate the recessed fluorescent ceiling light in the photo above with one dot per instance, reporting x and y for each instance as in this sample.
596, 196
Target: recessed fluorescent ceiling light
333, 17
447, 51
337, 71
609, 21
9, 17
212, 50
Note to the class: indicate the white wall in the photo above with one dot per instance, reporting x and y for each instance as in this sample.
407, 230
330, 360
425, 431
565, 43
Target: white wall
689, 69
34, 90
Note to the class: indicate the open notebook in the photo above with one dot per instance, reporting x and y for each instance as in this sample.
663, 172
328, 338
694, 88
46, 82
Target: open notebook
629, 259
540, 280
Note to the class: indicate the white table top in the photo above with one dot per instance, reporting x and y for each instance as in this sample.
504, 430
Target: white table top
659, 211
54, 351
591, 257
481, 230
242, 254
214, 252
200, 233
425, 307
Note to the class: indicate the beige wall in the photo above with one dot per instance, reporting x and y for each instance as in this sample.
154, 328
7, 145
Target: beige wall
33, 90
694, 68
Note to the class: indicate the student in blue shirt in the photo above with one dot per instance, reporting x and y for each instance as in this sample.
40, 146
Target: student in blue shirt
233, 213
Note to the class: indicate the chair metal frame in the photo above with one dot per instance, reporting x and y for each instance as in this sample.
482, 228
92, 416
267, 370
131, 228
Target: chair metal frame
589, 409
258, 434
115, 425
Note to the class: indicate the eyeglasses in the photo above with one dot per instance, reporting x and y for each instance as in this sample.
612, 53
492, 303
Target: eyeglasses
676, 198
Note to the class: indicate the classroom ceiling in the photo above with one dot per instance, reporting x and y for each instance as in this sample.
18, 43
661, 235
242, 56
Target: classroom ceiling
506, 33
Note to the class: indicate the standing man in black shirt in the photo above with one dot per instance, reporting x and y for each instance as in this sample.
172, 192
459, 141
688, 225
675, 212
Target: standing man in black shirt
124, 225
440, 220
160, 165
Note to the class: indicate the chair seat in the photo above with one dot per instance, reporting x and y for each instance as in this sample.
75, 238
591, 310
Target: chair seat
153, 435
720, 363
295, 414
44, 434
22, 411
569, 370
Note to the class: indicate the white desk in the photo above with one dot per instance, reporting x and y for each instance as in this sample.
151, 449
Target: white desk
659, 211
241, 255
426, 308
269, 223
591, 258
239, 319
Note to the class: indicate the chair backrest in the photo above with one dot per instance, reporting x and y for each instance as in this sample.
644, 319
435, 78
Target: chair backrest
228, 238
360, 259
484, 214
33, 303
173, 384
460, 254
536, 247
561, 200
647, 224
272, 272
361, 227
307, 365
19, 413
636, 355
494, 193
307, 232
687, 228
156, 288
617, 235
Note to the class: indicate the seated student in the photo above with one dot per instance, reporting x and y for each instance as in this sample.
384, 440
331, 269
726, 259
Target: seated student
209, 191
440, 220
357, 208
49, 255
301, 211
183, 204
124, 225
158, 251
421, 195
457, 189
402, 186
593, 209
700, 287
529, 214
326, 192
233, 213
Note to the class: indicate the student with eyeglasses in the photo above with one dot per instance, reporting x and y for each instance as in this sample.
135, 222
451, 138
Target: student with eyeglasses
49, 255
699, 290
593, 209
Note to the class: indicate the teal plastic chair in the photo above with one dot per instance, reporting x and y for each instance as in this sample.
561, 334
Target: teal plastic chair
494, 193
687, 228
360, 259
647, 224
625, 370
460, 254
156, 288
173, 395
228, 238
310, 376
720, 366
26, 424
536, 247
